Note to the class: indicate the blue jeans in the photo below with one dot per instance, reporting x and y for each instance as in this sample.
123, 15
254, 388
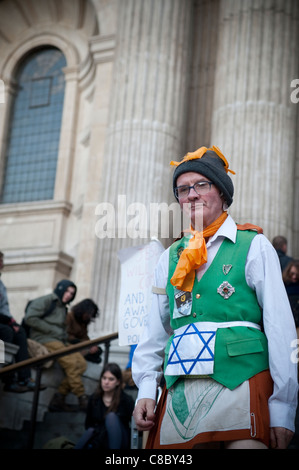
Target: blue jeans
118, 435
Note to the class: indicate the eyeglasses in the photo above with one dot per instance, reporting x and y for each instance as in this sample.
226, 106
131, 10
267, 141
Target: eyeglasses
201, 188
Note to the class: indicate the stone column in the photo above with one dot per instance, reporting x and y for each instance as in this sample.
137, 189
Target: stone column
146, 127
202, 79
254, 120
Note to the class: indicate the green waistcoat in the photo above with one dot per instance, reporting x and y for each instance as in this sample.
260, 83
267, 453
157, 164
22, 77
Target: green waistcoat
240, 352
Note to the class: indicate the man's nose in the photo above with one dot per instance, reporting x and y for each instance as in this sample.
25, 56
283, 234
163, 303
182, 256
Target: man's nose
193, 194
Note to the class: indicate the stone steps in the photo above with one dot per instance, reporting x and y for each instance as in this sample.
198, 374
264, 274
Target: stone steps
15, 409
58, 424
55, 424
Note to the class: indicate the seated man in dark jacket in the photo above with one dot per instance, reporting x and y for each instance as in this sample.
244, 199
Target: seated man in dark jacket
50, 330
12, 332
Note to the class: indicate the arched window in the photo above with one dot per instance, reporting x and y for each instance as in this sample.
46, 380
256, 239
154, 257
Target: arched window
34, 131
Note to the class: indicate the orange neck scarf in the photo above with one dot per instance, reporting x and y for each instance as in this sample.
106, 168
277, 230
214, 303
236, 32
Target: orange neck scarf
194, 255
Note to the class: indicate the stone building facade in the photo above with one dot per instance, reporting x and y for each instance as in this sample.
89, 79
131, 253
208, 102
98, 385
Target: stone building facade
146, 81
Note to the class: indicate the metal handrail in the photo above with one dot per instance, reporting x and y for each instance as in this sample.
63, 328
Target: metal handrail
38, 362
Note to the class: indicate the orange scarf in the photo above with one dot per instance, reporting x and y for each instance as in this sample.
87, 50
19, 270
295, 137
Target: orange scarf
194, 255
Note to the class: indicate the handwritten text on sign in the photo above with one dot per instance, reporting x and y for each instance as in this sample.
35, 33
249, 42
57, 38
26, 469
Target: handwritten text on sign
137, 276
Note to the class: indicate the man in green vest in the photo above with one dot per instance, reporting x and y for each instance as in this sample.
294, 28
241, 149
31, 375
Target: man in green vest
220, 330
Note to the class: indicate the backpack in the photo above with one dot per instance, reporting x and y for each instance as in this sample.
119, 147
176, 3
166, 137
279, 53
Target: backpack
45, 314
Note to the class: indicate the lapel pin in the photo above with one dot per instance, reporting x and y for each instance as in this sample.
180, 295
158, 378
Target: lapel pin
226, 268
225, 290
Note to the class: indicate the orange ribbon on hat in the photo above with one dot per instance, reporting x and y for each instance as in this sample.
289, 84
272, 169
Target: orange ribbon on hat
199, 153
194, 255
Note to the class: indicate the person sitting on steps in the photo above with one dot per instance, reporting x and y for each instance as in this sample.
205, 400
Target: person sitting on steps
12, 332
51, 332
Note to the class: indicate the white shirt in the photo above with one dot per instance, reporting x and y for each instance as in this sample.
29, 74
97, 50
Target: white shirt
263, 275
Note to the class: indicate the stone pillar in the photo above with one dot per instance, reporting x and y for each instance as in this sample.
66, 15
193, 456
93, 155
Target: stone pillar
202, 79
146, 127
254, 120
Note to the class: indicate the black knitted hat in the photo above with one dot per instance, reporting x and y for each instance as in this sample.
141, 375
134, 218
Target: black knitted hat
62, 286
211, 165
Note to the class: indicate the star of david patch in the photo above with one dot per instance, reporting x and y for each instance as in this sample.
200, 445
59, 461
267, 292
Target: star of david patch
191, 352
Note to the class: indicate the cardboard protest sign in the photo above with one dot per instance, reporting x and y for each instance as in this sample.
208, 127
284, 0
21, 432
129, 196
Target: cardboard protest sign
137, 275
